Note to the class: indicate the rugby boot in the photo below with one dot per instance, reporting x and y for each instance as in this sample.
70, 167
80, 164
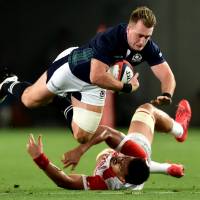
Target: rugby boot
183, 116
5, 77
176, 170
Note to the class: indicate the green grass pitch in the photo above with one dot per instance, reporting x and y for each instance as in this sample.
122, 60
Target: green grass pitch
21, 179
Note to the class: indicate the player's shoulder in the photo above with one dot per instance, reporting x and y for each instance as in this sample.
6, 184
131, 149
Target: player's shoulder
151, 45
152, 53
151, 48
118, 28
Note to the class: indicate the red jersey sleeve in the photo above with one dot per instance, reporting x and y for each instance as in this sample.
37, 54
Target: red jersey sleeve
94, 183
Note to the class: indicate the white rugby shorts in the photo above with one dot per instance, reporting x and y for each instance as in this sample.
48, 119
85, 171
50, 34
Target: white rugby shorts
63, 81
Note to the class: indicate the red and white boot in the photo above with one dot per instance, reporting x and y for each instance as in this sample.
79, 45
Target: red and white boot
176, 170
183, 116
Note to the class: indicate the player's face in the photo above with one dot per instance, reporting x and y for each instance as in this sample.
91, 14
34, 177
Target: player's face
138, 35
120, 165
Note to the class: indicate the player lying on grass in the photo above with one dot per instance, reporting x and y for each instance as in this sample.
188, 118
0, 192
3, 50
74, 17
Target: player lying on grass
140, 134
115, 170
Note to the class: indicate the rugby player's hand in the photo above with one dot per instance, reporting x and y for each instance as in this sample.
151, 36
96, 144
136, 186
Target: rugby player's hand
33, 148
161, 100
71, 158
134, 82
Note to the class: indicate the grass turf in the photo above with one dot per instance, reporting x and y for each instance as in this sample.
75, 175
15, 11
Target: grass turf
21, 179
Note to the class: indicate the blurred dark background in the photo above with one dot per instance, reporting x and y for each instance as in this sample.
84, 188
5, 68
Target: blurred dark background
32, 33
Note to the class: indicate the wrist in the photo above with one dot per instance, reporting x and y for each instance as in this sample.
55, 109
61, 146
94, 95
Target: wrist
167, 94
127, 88
42, 161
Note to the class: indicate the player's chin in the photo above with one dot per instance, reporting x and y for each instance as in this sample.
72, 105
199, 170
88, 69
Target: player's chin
138, 48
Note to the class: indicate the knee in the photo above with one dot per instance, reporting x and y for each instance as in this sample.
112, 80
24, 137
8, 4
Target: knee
27, 101
82, 136
147, 106
32, 100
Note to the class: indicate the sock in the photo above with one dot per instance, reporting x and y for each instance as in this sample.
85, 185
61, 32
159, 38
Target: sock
68, 113
61, 103
177, 129
15, 88
64, 105
160, 168
131, 148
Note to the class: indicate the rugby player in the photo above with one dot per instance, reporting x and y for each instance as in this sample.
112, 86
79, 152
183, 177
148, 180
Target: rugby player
115, 170
82, 73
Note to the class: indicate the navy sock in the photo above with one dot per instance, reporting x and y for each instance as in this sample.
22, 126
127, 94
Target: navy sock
15, 88
68, 113
61, 103
65, 106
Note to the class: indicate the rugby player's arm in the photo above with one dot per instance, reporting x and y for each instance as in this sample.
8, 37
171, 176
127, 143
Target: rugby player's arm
100, 77
35, 150
74, 181
106, 134
165, 75
71, 181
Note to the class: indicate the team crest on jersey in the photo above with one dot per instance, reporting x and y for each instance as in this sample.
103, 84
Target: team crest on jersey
102, 93
137, 57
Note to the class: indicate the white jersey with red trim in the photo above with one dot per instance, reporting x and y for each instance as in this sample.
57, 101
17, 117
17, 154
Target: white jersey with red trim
104, 178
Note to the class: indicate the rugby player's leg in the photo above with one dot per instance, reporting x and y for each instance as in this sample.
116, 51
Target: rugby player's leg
30, 95
37, 94
161, 120
141, 129
143, 122
63, 104
140, 133
86, 119
82, 119
167, 124
171, 169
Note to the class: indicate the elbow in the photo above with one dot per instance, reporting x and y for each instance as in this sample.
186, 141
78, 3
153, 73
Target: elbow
174, 82
68, 186
97, 78
61, 184
173, 79
64, 185
94, 79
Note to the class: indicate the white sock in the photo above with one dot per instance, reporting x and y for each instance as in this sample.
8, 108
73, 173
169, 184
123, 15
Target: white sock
159, 168
177, 129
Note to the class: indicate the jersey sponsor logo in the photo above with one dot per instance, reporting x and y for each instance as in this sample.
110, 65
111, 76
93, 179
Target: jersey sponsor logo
137, 57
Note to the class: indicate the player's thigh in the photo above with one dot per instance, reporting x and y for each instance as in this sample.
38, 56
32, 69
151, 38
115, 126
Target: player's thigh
38, 93
86, 119
143, 122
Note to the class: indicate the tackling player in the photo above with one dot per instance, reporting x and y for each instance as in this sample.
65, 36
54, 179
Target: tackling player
82, 71
114, 170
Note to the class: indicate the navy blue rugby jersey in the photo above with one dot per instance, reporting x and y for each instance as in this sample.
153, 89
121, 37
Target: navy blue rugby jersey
110, 47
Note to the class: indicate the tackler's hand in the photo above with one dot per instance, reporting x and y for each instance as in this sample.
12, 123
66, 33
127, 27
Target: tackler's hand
34, 148
71, 158
164, 99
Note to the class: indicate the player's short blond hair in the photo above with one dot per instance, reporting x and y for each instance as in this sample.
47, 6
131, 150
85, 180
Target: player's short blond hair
145, 14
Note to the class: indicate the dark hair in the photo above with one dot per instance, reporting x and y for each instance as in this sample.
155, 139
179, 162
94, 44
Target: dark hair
138, 171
